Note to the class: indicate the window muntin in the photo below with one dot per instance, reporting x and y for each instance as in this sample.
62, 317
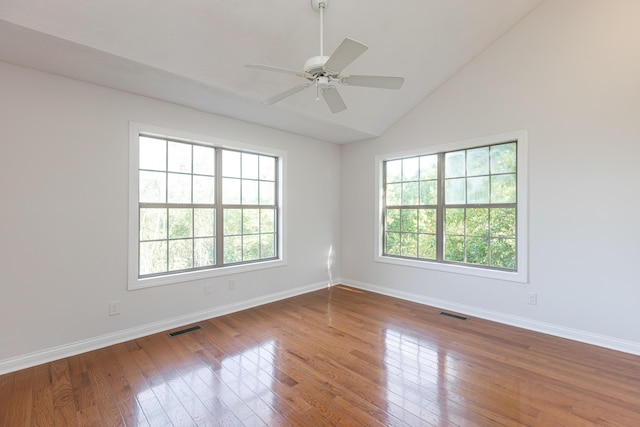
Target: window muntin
453, 207
184, 206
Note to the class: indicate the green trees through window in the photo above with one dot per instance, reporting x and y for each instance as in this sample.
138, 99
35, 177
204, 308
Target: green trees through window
201, 206
453, 207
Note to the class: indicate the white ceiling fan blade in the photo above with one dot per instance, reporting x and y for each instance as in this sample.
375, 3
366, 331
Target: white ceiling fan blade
348, 51
381, 82
275, 69
285, 94
333, 99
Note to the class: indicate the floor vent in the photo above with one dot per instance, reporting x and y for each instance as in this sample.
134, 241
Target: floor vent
455, 316
184, 331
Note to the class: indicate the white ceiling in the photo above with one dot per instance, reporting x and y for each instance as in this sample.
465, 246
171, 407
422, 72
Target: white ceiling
193, 52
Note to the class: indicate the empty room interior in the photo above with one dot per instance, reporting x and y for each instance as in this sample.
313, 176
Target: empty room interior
313, 212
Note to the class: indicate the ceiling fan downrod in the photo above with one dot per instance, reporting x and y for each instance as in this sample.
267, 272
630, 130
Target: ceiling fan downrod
320, 5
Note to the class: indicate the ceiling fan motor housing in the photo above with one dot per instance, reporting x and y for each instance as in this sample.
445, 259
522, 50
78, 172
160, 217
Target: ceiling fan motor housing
314, 66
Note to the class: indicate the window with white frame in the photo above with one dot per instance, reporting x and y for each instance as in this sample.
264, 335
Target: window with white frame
459, 207
200, 208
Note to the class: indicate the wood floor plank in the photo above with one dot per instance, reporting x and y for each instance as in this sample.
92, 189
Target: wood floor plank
334, 357
42, 408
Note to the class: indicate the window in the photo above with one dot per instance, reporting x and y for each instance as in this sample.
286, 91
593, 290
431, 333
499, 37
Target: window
459, 208
200, 208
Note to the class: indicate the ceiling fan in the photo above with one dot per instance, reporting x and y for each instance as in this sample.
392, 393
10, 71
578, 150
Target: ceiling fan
324, 71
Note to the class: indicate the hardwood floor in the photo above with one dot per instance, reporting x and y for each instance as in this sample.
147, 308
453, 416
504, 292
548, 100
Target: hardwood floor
332, 357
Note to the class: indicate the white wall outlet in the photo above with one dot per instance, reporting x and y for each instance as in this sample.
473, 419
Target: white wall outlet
232, 284
532, 298
208, 288
114, 308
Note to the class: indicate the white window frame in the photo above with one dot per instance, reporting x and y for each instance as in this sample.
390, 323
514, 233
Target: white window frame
521, 274
135, 282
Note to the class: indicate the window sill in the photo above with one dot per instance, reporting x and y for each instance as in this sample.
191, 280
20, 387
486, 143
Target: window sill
511, 276
136, 283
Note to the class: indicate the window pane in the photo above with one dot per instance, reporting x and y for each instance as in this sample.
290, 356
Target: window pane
428, 167
454, 164
250, 221
153, 257
204, 251
180, 223
204, 160
393, 220
454, 248
179, 157
267, 193
410, 193
179, 188
478, 161
204, 223
392, 242
411, 169
409, 245
153, 224
267, 246
267, 168
232, 249
409, 220
394, 194
503, 222
204, 188
232, 221
427, 246
394, 170
478, 190
153, 154
478, 222
503, 253
428, 192
249, 192
231, 164
503, 188
153, 187
231, 191
454, 221
250, 166
454, 191
427, 221
251, 247
180, 254
503, 158
267, 222
477, 250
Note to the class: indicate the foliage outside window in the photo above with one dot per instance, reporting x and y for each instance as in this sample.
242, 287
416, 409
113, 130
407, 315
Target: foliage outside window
202, 207
457, 207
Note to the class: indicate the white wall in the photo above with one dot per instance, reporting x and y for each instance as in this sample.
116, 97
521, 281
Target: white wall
570, 74
64, 217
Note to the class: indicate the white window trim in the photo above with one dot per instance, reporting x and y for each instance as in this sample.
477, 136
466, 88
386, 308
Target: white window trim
134, 282
521, 275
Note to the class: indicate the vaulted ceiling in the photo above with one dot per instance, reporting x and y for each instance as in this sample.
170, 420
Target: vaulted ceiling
193, 52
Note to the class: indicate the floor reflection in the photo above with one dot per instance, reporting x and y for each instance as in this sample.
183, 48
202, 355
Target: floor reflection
233, 389
417, 376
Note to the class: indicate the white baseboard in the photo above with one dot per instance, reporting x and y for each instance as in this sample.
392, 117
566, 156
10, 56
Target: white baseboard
78, 347
521, 322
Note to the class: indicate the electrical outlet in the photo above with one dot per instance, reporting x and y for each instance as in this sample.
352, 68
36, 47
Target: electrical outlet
208, 288
532, 298
114, 308
232, 284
